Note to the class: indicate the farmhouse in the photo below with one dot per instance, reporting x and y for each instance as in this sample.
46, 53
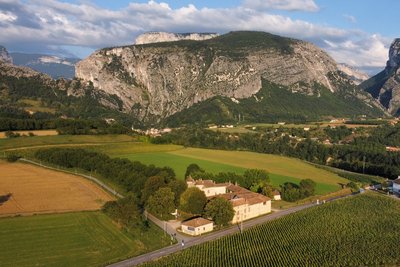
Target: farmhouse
246, 204
197, 226
396, 185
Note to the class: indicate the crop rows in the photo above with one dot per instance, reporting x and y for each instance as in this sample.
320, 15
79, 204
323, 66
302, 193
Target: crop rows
357, 231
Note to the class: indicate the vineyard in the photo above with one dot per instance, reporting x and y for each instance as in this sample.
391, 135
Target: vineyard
357, 231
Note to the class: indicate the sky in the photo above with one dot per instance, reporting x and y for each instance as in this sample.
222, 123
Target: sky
356, 32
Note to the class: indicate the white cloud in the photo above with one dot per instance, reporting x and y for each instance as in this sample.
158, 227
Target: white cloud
53, 24
350, 18
364, 52
6, 16
290, 5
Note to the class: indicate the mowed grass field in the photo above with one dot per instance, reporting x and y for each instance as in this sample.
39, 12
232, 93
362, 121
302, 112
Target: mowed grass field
71, 239
282, 169
38, 190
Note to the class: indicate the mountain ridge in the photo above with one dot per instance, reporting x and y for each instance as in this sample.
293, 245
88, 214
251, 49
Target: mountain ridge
157, 80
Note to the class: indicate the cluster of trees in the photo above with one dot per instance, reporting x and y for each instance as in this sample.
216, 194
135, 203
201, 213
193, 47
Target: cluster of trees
64, 126
363, 155
125, 211
338, 133
81, 126
292, 192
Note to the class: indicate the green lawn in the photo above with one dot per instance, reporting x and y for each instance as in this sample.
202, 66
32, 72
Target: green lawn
179, 163
72, 239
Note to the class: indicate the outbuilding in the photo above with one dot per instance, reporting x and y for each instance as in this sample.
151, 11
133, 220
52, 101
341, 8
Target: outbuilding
197, 226
277, 195
396, 185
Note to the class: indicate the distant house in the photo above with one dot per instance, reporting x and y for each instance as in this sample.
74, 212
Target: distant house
197, 226
209, 187
396, 185
277, 195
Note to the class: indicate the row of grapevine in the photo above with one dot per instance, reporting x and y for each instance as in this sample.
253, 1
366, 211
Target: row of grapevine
358, 231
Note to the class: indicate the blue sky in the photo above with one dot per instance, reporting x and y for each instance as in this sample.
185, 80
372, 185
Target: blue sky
356, 32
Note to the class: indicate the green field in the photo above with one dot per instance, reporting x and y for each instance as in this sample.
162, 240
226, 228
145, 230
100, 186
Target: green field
357, 231
22, 142
282, 169
72, 239
179, 163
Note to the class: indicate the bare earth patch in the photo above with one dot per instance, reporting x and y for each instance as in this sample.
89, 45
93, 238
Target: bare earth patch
38, 190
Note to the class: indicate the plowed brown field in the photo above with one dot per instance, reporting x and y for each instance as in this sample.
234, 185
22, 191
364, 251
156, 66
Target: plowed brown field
39, 190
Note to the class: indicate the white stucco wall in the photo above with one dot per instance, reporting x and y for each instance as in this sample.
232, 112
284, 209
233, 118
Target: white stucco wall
197, 230
245, 212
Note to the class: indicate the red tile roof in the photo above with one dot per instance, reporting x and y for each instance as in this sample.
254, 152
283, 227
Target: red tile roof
197, 222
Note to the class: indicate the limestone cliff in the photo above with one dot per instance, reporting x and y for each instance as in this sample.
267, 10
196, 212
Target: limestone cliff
160, 79
158, 37
4, 56
354, 74
385, 86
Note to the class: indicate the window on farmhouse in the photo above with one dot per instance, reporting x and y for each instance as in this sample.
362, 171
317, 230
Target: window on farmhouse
191, 228
264, 203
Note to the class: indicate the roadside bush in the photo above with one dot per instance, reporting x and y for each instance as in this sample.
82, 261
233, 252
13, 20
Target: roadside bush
12, 158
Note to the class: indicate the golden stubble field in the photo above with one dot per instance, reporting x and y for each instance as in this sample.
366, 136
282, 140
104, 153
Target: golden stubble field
39, 190
36, 133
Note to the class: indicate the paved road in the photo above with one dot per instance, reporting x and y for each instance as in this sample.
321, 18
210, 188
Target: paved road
168, 228
189, 242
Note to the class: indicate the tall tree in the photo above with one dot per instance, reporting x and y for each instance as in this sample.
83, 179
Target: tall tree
307, 187
161, 203
192, 168
124, 211
193, 201
152, 185
220, 211
254, 176
178, 187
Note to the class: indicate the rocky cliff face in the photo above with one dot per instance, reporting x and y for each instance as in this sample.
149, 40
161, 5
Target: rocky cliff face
385, 86
158, 37
355, 75
158, 80
4, 56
